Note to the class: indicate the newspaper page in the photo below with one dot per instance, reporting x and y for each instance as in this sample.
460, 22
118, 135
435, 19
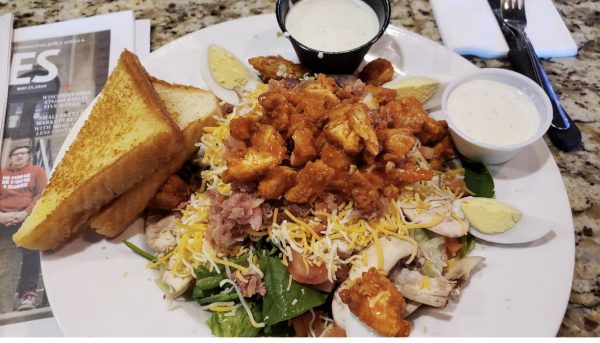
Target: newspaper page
56, 71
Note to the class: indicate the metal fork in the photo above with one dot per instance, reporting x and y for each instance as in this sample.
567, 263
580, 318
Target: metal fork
513, 15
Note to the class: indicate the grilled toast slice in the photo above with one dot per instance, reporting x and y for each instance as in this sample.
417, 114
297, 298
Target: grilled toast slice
192, 109
126, 138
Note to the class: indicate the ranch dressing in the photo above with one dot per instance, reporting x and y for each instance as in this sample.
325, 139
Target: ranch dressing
332, 25
492, 112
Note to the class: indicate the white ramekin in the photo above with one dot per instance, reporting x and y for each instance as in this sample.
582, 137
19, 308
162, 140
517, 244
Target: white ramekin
490, 153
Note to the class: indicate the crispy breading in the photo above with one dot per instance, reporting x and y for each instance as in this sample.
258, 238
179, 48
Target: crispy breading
277, 181
249, 165
304, 147
377, 72
407, 173
406, 113
377, 303
366, 189
277, 67
172, 193
276, 109
267, 151
242, 127
397, 143
381, 94
440, 152
433, 131
335, 158
267, 139
339, 132
361, 125
310, 182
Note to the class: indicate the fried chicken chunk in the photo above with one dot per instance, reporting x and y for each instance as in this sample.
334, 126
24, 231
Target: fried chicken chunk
361, 124
377, 72
406, 113
171, 194
350, 128
377, 303
266, 152
242, 127
397, 143
304, 147
277, 181
276, 109
310, 182
277, 67
381, 94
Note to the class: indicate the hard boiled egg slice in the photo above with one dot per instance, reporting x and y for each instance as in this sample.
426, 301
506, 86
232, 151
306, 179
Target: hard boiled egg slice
223, 72
497, 222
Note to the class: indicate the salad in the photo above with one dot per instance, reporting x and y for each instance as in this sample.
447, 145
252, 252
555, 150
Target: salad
317, 201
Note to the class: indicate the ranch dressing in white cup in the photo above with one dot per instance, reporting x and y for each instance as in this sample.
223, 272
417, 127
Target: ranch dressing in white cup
493, 112
332, 25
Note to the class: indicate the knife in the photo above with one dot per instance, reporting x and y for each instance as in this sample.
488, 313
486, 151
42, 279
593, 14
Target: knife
565, 139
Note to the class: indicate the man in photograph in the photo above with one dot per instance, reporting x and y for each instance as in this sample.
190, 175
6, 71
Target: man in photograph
22, 184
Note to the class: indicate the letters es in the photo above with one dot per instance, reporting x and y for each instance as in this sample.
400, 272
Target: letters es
21, 62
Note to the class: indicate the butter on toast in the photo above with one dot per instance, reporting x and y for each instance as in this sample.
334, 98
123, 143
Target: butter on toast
192, 109
126, 138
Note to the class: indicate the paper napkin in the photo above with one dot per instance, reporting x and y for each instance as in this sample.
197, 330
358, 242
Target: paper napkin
469, 27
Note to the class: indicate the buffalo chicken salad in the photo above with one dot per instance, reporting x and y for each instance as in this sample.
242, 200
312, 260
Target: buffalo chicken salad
317, 199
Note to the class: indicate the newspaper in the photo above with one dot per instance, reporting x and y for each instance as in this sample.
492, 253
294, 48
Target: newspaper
54, 72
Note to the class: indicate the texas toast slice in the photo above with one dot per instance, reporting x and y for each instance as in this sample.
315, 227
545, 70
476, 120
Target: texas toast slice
126, 138
192, 109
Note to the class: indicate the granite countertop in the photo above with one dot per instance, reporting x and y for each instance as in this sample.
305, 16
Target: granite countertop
576, 80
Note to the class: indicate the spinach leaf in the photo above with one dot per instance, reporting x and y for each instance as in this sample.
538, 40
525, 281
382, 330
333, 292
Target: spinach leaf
281, 329
277, 303
237, 325
478, 179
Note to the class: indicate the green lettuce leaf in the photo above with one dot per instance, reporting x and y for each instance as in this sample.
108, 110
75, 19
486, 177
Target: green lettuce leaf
237, 325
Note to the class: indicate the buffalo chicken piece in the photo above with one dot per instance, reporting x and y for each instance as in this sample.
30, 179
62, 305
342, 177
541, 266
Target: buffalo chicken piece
397, 143
406, 113
276, 109
277, 67
242, 127
377, 303
377, 72
381, 94
310, 182
269, 140
433, 131
365, 189
361, 125
277, 181
266, 152
304, 147
172, 193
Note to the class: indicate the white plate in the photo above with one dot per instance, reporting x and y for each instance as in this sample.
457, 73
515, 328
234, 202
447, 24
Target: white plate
100, 288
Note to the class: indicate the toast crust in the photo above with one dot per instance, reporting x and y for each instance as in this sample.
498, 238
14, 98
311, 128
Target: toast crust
115, 217
127, 136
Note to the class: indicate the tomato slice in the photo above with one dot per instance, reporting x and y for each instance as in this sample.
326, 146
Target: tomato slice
312, 275
452, 246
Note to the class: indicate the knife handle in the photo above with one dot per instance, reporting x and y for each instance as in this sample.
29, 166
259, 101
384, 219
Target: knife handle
564, 139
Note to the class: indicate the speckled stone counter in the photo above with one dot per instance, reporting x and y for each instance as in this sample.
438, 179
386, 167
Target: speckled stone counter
576, 80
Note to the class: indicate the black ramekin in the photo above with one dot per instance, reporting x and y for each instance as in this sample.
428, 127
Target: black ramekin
343, 62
